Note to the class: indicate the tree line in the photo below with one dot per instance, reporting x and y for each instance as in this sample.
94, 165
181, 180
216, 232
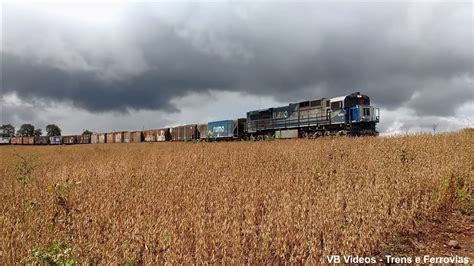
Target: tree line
28, 130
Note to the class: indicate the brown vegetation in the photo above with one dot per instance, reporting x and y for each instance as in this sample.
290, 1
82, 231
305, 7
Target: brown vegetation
233, 202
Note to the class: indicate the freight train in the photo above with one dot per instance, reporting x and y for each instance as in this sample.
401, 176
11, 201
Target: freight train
344, 115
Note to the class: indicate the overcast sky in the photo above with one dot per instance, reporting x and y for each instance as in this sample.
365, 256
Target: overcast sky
128, 66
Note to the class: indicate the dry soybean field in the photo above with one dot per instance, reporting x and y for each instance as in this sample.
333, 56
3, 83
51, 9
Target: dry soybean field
227, 202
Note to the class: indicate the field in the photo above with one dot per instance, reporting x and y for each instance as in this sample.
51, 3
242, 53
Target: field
232, 202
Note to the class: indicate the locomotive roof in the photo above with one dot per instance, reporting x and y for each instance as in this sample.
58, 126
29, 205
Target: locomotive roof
333, 99
338, 98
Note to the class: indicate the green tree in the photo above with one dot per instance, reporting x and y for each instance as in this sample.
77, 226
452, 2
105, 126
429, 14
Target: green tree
38, 132
7, 130
26, 130
86, 132
53, 130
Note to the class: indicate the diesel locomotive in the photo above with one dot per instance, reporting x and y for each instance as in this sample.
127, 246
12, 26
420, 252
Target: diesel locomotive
344, 115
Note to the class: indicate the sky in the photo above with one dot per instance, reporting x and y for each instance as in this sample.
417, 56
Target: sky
107, 66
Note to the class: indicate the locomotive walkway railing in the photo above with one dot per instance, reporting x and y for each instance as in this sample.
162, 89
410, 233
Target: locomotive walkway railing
267, 124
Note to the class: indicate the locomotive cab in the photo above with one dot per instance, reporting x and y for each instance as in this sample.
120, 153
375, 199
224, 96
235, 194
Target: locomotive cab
361, 115
364, 113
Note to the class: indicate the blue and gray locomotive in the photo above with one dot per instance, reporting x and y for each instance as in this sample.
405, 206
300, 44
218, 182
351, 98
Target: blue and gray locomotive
345, 115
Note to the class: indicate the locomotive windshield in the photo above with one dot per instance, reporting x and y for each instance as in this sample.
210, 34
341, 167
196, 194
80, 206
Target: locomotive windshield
356, 99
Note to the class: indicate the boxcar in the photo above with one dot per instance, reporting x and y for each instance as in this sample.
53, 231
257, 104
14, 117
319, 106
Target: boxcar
118, 137
16, 140
127, 137
41, 140
56, 140
28, 140
184, 133
163, 134
94, 138
109, 138
103, 138
150, 135
70, 139
4, 140
202, 131
136, 136
84, 139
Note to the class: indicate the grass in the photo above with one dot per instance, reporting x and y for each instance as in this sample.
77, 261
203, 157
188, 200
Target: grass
232, 202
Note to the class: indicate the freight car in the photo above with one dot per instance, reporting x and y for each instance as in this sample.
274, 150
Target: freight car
163, 134
346, 115
136, 136
227, 129
4, 140
41, 140
202, 131
127, 137
83, 139
184, 133
103, 138
150, 135
118, 136
28, 140
70, 139
56, 140
109, 138
16, 140
94, 138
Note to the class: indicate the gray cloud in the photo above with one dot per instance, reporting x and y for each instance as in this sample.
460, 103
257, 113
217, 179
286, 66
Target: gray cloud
413, 55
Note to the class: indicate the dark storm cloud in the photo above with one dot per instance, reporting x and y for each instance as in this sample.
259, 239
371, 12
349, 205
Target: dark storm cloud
414, 55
